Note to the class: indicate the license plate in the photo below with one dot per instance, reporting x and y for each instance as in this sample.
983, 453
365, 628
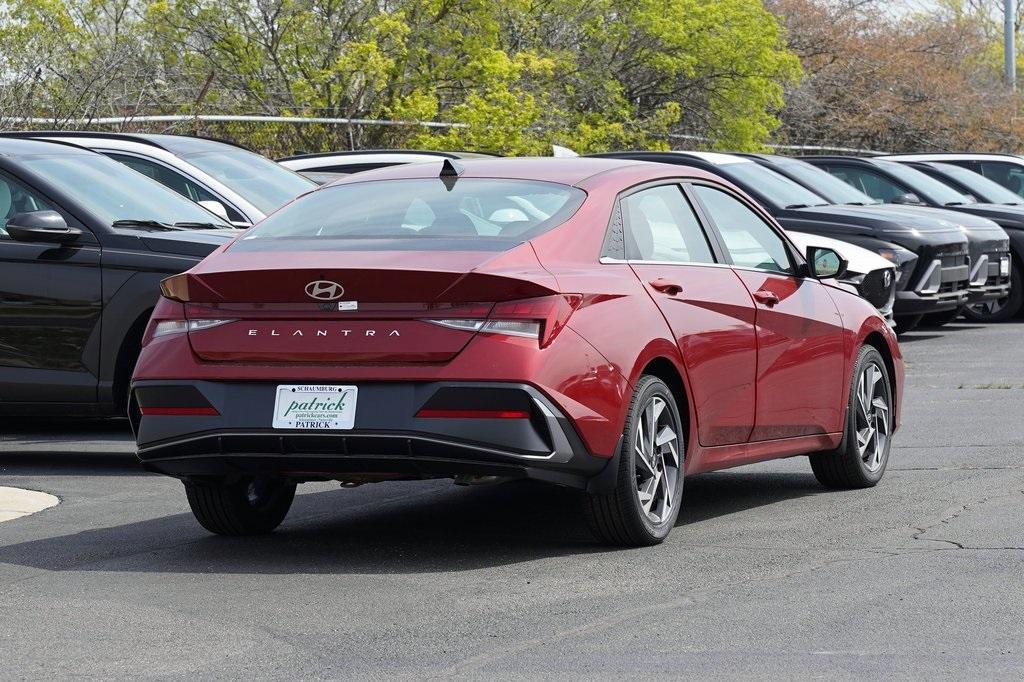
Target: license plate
315, 407
1004, 267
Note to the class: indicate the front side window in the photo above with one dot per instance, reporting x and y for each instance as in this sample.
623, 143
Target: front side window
473, 214
978, 185
750, 241
923, 184
265, 184
115, 192
775, 187
16, 198
176, 181
1009, 175
875, 185
826, 184
661, 226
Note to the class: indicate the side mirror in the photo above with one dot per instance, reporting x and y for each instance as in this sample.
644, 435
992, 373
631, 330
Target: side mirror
908, 198
41, 226
215, 207
825, 263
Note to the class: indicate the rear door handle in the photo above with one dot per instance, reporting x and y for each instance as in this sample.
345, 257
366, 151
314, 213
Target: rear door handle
666, 287
765, 297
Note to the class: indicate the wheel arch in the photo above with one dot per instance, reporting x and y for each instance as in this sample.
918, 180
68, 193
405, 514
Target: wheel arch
665, 369
878, 342
124, 362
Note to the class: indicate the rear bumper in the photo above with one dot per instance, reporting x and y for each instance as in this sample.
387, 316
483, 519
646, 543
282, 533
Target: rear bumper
388, 440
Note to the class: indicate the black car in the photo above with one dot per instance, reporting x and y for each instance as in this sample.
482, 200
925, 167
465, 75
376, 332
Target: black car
84, 243
1004, 207
896, 183
930, 253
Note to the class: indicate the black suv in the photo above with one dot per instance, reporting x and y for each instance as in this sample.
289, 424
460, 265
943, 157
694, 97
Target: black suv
895, 183
84, 243
930, 253
1004, 207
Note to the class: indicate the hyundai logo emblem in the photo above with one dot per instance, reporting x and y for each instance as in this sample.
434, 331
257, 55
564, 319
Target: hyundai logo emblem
325, 290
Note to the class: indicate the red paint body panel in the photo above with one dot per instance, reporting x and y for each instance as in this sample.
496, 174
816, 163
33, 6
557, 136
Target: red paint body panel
801, 358
760, 381
712, 320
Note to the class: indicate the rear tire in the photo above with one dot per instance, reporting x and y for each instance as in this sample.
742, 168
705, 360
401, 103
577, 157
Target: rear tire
252, 506
1003, 309
861, 459
644, 505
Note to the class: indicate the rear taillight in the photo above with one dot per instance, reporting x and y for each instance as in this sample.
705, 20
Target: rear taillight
175, 288
536, 318
166, 327
169, 318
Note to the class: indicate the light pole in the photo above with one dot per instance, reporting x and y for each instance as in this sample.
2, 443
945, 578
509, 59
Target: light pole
1009, 51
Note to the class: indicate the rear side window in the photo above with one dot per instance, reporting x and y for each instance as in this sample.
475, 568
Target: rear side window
473, 214
661, 226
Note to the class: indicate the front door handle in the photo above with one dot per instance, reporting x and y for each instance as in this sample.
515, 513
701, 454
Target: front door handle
765, 297
666, 287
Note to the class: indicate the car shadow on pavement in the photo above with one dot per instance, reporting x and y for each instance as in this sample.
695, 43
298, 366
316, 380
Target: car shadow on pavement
69, 463
442, 529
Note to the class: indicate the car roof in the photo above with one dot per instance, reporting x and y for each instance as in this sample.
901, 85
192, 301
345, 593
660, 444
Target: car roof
176, 144
586, 172
680, 157
391, 152
16, 146
568, 171
953, 156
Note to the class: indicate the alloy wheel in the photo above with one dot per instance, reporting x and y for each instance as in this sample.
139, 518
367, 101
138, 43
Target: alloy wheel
872, 416
657, 460
989, 308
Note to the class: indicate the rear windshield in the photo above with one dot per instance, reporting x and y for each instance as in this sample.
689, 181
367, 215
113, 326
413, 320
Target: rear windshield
471, 214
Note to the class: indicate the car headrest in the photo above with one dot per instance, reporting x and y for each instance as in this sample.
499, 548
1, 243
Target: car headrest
455, 223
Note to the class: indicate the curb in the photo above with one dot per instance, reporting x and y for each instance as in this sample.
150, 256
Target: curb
16, 502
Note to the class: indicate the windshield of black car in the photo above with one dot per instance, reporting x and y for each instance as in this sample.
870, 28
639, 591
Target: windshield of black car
923, 185
775, 187
474, 214
826, 184
981, 187
113, 191
265, 184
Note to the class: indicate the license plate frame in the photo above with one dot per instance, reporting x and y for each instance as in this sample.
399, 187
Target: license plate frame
315, 407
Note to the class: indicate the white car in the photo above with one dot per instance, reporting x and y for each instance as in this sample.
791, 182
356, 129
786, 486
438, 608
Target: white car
236, 184
872, 276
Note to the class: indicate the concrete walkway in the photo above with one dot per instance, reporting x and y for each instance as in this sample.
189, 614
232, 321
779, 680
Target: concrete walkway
15, 502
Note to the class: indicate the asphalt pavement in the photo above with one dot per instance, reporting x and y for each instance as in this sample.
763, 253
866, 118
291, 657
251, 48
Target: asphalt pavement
766, 575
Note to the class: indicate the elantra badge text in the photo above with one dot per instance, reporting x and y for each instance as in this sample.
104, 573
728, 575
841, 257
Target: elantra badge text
322, 332
325, 290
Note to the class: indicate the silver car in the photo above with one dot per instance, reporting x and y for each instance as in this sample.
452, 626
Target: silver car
231, 181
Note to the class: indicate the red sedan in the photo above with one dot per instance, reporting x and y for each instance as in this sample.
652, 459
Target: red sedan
598, 324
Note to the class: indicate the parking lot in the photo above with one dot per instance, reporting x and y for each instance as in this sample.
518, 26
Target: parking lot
767, 575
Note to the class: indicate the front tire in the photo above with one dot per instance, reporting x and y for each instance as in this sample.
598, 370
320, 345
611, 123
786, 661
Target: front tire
251, 506
644, 506
861, 459
1002, 309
